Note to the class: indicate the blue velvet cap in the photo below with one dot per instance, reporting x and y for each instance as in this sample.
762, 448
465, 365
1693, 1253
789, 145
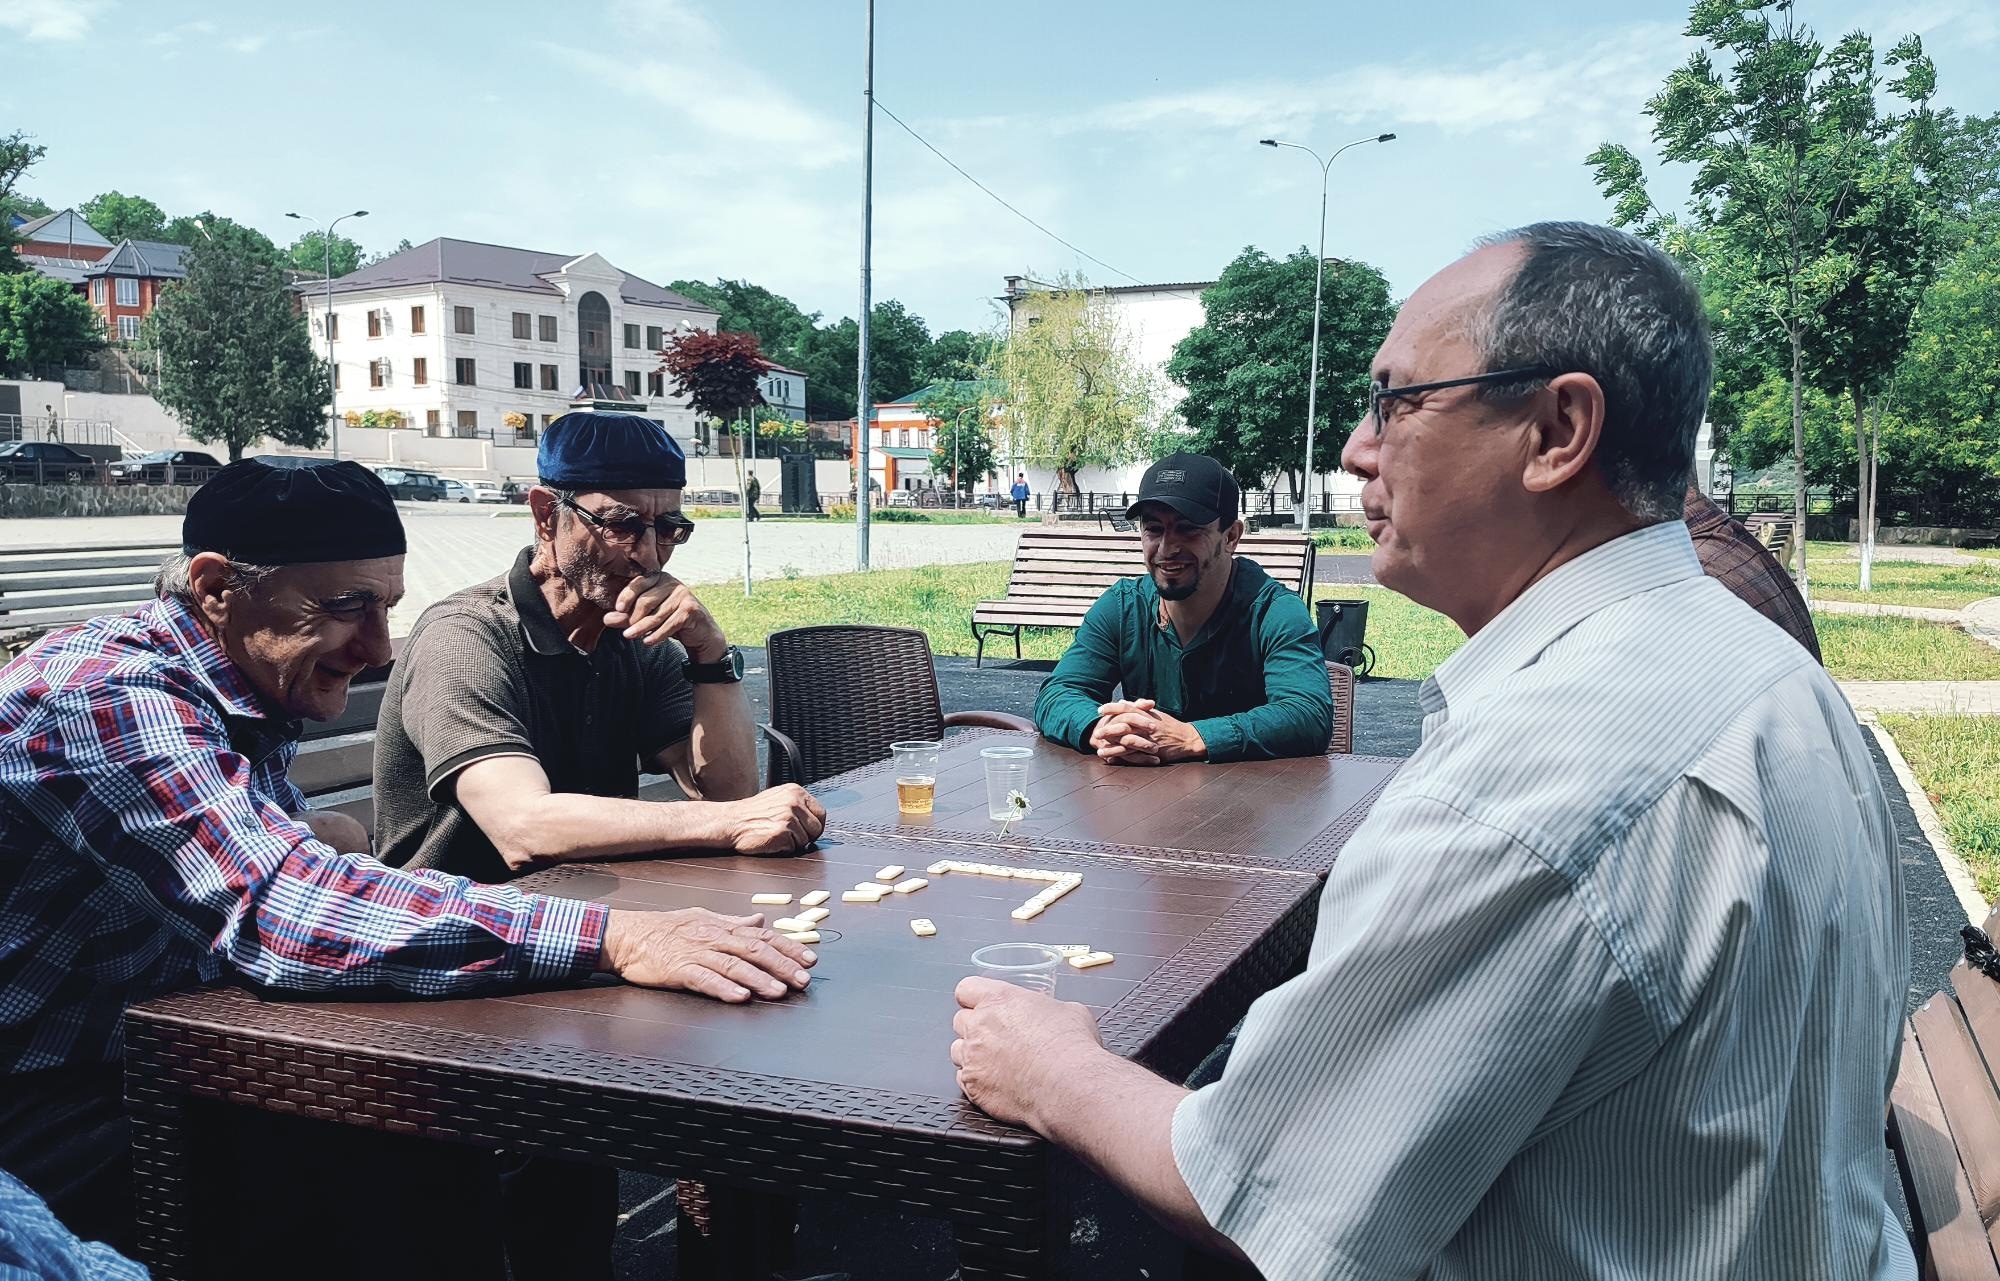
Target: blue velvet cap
586, 450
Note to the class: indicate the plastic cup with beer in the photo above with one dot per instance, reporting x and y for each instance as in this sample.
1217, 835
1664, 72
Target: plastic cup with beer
916, 774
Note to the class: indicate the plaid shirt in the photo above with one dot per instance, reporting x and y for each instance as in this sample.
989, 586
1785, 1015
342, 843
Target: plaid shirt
145, 846
1733, 557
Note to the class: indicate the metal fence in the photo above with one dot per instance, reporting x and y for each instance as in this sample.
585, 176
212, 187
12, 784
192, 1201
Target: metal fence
56, 428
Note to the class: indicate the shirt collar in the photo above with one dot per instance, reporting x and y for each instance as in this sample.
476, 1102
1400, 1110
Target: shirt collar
210, 662
538, 623
1606, 574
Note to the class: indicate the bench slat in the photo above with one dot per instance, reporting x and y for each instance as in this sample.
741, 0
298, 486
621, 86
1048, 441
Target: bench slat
331, 764
12, 583
51, 559
364, 704
42, 621
11, 604
1971, 1108
1934, 1184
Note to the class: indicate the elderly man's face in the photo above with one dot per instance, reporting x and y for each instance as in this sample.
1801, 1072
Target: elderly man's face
612, 542
303, 634
1443, 482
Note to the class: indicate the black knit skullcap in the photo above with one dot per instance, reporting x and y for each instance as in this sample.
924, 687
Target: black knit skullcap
262, 515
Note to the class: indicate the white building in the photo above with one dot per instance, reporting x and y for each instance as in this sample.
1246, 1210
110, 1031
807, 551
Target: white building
484, 345
785, 391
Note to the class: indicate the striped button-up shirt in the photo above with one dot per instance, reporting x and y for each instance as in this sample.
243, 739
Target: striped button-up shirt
1609, 984
146, 845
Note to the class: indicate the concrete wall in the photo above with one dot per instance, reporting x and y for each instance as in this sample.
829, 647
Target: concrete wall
93, 500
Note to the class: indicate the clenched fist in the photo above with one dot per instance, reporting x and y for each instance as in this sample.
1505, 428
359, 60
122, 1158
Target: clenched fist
657, 605
778, 820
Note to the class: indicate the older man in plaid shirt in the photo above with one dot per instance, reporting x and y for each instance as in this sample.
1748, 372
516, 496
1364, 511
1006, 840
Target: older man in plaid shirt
150, 840
1732, 557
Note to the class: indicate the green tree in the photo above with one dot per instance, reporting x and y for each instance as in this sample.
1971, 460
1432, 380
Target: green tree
1802, 186
1246, 366
752, 309
1948, 391
183, 231
236, 364
898, 342
17, 156
962, 442
117, 216
310, 253
44, 325
401, 245
1074, 394
955, 354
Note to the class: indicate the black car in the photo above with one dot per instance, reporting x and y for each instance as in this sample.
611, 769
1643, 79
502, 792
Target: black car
165, 467
44, 462
422, 486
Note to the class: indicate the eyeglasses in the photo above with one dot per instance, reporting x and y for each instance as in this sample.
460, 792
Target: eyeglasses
670, 529
1377, 393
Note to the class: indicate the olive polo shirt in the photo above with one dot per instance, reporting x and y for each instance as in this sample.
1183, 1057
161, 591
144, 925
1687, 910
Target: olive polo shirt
488, 672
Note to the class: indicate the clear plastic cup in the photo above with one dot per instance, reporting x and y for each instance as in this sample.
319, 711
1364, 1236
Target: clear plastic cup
1006, 772
916, 774
1030, 965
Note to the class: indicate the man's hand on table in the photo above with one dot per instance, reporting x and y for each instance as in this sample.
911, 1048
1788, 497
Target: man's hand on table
655, 606
1137, 732
731, 958
1015, 1048
777, 820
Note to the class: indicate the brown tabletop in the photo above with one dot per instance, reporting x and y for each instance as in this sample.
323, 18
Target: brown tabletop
845, 1088
1290, 814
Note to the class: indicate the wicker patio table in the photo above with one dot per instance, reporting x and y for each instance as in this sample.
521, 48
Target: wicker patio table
1290, 815
845, 1089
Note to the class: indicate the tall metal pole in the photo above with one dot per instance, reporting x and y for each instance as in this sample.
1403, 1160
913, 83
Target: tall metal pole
864, 412
326, 256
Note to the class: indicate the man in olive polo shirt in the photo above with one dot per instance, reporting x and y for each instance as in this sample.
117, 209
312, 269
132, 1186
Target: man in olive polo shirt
1217, 661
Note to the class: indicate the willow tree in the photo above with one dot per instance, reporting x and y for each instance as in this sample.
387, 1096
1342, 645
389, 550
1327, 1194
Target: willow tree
1073, 394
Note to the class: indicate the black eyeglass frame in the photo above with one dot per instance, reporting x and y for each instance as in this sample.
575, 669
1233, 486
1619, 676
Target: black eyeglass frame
670, 529
1377, 393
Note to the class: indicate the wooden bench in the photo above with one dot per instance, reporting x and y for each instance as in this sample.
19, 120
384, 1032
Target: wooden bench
1059, 574
1775, 532
42, 588
1944, 1127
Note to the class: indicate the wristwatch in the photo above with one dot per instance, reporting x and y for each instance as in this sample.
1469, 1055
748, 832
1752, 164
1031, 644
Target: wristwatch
727, 670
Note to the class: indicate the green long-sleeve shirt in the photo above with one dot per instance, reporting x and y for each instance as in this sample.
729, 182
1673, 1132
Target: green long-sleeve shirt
1252, 682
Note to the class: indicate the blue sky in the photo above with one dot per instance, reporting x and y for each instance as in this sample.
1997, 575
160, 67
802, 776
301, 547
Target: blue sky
708, 138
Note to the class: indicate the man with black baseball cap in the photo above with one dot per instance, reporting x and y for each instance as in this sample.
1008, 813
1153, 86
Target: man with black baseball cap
150, 841
1212, 659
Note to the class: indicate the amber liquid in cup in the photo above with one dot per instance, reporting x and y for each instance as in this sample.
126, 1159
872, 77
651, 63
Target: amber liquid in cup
916, 795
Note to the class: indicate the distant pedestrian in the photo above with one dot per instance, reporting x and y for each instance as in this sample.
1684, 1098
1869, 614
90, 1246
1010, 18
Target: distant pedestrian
1020, 493
753, 489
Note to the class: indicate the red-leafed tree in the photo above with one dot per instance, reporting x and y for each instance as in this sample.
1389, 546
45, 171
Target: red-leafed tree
718, 373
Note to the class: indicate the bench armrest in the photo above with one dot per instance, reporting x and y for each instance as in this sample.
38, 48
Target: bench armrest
988, 720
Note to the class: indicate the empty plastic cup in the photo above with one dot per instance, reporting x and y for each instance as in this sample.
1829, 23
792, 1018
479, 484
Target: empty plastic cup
1006, 773
1029, 965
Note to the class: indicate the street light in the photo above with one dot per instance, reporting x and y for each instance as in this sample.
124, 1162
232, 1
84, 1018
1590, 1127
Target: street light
326, 247
1319, 275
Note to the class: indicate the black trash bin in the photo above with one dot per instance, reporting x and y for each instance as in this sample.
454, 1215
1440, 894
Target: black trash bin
1343, 627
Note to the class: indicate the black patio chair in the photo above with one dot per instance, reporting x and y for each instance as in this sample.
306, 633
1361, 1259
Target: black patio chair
841, 694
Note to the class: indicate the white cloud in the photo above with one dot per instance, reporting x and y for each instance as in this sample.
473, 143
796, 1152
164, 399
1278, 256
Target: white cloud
174, 35
50, 19
248, 44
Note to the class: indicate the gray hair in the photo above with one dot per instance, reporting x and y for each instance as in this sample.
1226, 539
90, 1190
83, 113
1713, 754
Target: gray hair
1606, 303
173, 582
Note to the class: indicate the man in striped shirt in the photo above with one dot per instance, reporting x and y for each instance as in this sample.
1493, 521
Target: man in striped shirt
1609, 984
151, 841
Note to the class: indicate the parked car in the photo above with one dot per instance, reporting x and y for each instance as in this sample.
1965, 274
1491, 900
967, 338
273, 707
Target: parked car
289, 460
420, 486
45, 462
456, 491
485, 491
183, 466
515, 492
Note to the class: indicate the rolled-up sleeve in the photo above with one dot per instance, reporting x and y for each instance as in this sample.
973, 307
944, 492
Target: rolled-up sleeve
1296, 718
170, 816
1371, 1102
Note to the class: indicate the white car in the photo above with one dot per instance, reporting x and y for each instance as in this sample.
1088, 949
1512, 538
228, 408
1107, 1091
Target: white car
485, 491
457, 491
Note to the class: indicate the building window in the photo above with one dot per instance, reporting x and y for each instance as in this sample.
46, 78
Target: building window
546, 420
420, 372
128, 291
631, 334
468, 422
461, 320
416, 320
433, 421
524, 374
656, 384
468, 372
333, 326
375, 323
653, 342
902, 435
549, 378
97, 291
632, 382
378, 373
524, 325
128, 329
548, 327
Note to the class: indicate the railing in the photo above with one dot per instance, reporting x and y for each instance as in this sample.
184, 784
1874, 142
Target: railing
502, 436
60, 430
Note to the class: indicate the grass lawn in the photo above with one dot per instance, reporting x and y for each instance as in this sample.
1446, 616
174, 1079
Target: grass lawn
1836, 577
1956, 760
1864, 648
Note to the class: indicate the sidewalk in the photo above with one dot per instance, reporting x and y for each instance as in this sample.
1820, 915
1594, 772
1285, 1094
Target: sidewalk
1957, 698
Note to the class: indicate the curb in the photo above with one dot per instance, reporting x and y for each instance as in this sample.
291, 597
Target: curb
1955, 871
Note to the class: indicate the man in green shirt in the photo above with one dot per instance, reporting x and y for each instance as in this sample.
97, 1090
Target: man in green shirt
1216, 660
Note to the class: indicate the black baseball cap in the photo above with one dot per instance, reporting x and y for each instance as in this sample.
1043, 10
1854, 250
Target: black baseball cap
1194, 485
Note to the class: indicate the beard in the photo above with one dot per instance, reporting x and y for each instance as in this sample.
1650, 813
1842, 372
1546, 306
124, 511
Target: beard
588, 579
1182, 590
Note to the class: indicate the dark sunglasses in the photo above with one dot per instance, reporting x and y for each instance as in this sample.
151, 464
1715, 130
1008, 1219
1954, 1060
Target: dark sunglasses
670, 529
1377, 393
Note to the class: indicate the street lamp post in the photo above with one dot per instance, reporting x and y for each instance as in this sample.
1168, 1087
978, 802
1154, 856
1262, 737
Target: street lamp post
1319, 275
326, 247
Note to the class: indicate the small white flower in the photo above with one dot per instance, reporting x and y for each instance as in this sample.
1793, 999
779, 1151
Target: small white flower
1019, 801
